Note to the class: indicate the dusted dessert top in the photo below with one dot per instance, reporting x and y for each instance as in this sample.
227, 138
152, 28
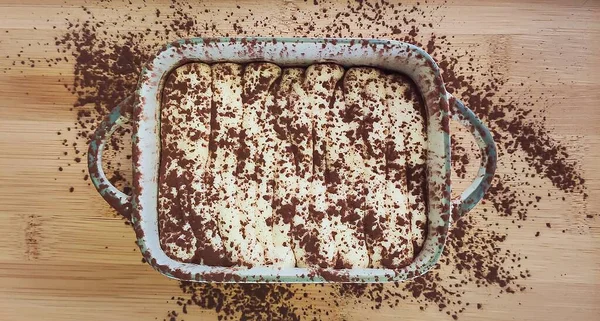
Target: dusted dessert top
309, 167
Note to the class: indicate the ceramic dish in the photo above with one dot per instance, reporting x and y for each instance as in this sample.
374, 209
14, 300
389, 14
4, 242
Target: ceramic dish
391, 55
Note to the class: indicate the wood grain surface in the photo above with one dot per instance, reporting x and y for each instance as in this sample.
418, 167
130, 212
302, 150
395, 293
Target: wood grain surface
66, 256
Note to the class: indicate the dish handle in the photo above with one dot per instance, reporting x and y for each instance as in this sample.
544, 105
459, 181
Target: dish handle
117, 199
475, 192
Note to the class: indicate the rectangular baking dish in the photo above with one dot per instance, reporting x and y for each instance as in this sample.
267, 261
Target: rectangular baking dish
392, 55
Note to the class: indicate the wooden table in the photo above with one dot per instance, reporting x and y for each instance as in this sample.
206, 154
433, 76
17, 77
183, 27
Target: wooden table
65, 256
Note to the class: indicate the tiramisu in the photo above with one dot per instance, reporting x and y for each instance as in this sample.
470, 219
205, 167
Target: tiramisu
310, 167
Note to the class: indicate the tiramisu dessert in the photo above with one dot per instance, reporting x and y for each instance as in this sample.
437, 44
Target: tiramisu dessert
309, 167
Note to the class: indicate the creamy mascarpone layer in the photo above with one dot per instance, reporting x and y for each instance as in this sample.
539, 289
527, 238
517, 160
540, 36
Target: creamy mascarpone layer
316, 166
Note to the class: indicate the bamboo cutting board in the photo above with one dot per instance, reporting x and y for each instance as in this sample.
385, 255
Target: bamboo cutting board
64, 255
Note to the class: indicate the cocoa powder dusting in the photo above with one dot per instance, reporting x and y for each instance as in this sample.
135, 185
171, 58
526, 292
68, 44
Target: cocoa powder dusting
106, 65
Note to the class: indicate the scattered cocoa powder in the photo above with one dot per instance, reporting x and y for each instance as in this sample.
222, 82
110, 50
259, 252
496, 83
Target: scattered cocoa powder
106, 66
